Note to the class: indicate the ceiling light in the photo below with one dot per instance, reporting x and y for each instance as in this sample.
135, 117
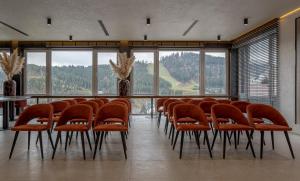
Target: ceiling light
148, 21
190, 27
289, 13
70, 37
49, 21
103, 27
13, 28
145, 37
246, 21
219, 37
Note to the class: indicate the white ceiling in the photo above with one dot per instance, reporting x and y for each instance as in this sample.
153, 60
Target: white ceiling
126, 19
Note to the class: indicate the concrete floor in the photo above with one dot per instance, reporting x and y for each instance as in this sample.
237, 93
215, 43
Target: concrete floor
150, 157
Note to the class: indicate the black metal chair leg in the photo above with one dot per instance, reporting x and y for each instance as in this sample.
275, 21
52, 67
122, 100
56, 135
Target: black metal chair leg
207, 143
159, 118
227, 135
70, 137
181, 144
234, 136
41, 144
14, 143
83, 144
224, 144
56, 143
175, 141
66, 142
170, 131
101, 140
89, 140
96, 144
289, 143
166, 126
124, 144
261, 144
197, 139
50, 138
29, 136
272, 139
250, 143
215, 136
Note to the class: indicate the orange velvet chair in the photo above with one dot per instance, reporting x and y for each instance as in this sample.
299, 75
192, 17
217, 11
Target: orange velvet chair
160, 109
29, 114
98, 101
165, 106
240, 123
171, 118
278, 123
105, 100
128, 103
183, 114
20, 105
58, 107
74, 112
78, 100
105, 122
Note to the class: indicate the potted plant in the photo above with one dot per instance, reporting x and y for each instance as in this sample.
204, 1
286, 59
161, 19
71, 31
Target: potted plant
122, 69
11, 65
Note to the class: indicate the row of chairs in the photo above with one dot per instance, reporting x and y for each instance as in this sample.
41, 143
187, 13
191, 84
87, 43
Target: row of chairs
194, 116
75, 115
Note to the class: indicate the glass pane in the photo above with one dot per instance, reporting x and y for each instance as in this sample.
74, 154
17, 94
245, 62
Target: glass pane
141, 106
2, 75
215, 73
179, 72
72, 72
107, 81
36, 72
143, 73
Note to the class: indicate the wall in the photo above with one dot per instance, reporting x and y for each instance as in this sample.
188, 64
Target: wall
287, 70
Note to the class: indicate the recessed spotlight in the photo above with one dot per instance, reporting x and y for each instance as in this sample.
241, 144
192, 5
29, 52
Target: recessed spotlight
148, 21
246, 21
70, 37
219, 37
49, 21
145, 37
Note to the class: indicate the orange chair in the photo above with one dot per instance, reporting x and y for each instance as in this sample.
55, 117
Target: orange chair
31, 113
20, 105
105, 122
99, 102
183, 114
58, 107
78, 100
186, 99
160, 109
125, 100
195, 101
240, 123
105, 100
171, 118
74, 112
70, 101
165, 106
224, 101
278, 123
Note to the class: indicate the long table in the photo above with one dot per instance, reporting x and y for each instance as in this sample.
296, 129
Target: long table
8, 107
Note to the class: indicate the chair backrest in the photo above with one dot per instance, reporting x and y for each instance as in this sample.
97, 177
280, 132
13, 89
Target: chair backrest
206, 106
189, 111
259, 111
59, 106
78, 100
228, 111
186, 99
98, 101
224, 101
112, 110
71, 101
105, 100
125, 101
195, 101
77, 111
160, 102
93, 104
171, 107
209, 99
166, 103
36, 111
241, 105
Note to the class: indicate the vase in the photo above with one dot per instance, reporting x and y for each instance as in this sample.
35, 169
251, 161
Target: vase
9, 88
123, 87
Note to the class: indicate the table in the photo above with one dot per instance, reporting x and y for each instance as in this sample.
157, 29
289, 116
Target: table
8, 107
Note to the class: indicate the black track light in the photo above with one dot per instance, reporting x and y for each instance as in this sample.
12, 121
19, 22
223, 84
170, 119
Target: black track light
148, 21
246, 21
70, 37
219, 37
145, 37
49, 21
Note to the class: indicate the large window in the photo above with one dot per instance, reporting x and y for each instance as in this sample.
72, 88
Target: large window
143, 73
72, 72
36, 72
107, 81
215, 73
179, 72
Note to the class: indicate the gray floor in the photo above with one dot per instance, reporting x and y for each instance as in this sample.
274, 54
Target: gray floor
150, 157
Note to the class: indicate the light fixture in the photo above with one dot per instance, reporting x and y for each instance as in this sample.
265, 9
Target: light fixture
49, 21
148, 21
145, 37
246, 22
219, 37
70, 37
289, 13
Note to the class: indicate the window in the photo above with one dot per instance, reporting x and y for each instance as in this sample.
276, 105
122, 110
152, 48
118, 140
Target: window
107, 81
36, 72
215, 73
179, 72
71, 72
143, 73
2, 75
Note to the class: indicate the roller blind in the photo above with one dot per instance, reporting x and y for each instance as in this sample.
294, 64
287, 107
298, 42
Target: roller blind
258, 65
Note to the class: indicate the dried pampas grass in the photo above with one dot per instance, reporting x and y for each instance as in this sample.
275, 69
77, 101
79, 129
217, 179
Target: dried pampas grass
124, 66
11, 64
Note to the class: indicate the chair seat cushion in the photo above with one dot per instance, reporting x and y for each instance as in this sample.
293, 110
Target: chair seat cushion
271, 127
186, 120
30, 127
72, 127
110, 127
219, 120
192, 127
43, 120
234, 127
114, 120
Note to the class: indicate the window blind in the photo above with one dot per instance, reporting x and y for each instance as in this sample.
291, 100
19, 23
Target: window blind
258, 65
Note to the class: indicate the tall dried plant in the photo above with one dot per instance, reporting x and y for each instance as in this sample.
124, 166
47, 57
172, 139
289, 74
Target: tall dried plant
123, 67
11, 64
